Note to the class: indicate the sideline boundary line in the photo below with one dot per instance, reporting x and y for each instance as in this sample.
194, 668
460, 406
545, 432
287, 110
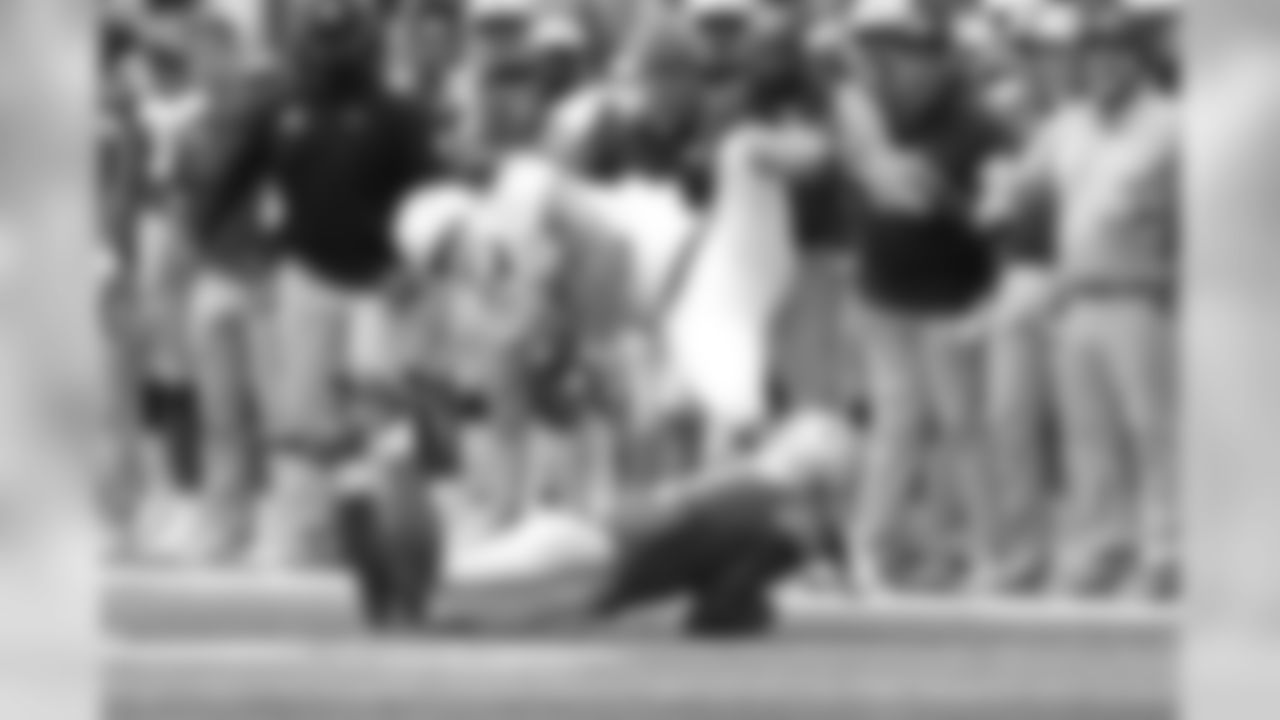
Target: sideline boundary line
329, 588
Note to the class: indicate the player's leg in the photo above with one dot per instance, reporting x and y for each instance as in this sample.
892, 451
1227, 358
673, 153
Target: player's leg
1142, 362
1092, 524
898, 404
724, 550
391, 538
309, 349
952, 358
168, 407
122, 491
222, 341
1018, 400
756, 550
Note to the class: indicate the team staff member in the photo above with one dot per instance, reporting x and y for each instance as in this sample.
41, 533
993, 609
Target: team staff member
339, 152
230, 311
488, 97
916, 139
1109, 164
120, 176
171, 104
1018, 381
818, 358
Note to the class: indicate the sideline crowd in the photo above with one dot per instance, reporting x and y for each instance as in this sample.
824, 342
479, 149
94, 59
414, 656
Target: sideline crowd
565, 249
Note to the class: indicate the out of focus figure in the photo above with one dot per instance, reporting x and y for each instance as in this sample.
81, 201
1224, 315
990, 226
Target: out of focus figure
1109, 163
917, 140
337, 151
171, 106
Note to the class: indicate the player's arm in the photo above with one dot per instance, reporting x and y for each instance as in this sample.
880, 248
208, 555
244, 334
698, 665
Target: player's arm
1014, 183
245, 140
572, 216
794, 148
891, 178
574, 129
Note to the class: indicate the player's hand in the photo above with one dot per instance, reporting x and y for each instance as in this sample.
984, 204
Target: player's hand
902, 183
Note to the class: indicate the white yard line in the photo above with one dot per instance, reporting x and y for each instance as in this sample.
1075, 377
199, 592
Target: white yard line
488, 659
997, 612
373, 672
328, 588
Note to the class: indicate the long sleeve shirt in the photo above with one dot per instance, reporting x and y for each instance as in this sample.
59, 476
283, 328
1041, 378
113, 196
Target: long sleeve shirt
1114, 186
339, 171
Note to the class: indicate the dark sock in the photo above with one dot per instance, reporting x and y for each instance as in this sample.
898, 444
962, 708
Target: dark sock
414, 545
184, 438
366, 560
169, 411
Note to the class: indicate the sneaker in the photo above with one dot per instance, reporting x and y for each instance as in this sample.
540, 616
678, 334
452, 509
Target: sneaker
1106, 575
870, 583
171, 529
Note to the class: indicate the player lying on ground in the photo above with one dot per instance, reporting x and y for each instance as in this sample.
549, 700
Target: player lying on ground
723, 540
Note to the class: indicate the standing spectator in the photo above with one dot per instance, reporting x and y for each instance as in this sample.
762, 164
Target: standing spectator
171, 105
488, 96
120, 178
230, 314
917, 139
817, 345
761, 144
339, 152
1019, 355
1109, 164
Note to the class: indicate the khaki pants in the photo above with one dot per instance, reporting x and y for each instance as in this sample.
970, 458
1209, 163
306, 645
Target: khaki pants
161, 294
924, 378
1019, 407
229, 317
311, 355
1114, 367
124, 484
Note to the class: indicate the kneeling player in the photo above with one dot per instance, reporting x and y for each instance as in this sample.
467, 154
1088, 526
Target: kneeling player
724, 541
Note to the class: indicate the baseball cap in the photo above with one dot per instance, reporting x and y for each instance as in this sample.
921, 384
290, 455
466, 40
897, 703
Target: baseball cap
890, 18
1118, 26
1153, 7
503, 9
738, 9
1051, 23
558, 31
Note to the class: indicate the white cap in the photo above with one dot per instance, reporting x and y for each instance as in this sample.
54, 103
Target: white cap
979, 31
558, 31
503, 9
1153, 7
826, 39
429, 218
1053, 23
746, 9
897, 17
1012, 8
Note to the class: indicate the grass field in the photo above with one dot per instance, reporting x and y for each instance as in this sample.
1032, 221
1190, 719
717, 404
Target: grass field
234, 649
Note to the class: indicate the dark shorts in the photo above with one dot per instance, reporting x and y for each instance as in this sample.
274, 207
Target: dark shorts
730, 542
